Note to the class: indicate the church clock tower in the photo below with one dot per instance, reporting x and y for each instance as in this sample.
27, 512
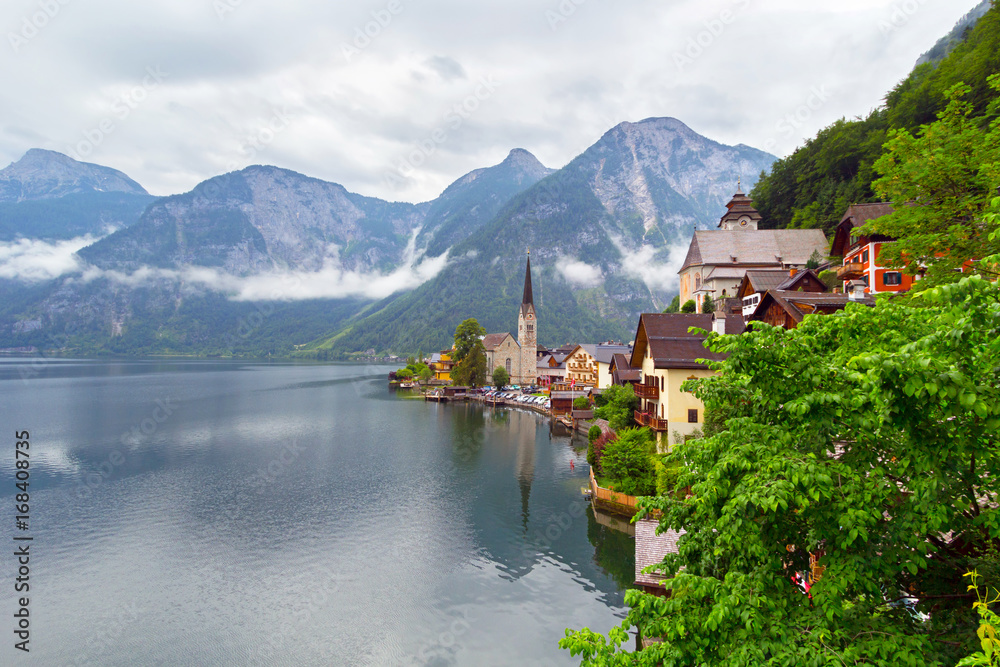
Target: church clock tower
527, 333
741, 215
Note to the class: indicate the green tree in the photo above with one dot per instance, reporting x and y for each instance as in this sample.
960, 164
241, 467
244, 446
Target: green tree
628, 462
941, 183
471, 371
708, 305
424, 374
815, 259
500, 377
869, 438
689, 306
675, 305
467, 335
617, 404
581, 403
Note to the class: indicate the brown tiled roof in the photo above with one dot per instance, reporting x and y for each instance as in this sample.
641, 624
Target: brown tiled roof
792, 283
626, 373
765, 247
650, 549
761, 280
856, 216
492, 341
859, 214
670, 344
800, 304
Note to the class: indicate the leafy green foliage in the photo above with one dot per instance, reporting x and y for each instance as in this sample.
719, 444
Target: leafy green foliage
628, 463
689, 306
708, 304
467, 334
868, 437
675, 305
988, 623
500, 377
941, 183
581, 403
471, 371
618, 405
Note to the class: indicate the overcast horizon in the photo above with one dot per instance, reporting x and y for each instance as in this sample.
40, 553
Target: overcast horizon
397, 101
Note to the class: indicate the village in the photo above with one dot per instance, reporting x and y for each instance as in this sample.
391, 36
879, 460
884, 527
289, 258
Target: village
732, 277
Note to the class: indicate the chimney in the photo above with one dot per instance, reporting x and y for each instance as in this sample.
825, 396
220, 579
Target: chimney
718, 323
792, 271
857, 290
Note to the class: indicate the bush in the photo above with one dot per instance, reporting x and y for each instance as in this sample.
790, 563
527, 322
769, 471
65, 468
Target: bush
628, 462
708, 305
619, 406
666, 476
689, 306
595, 450
594, 433
500, 377
581, 403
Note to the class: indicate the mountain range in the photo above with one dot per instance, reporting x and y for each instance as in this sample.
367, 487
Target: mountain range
266, 260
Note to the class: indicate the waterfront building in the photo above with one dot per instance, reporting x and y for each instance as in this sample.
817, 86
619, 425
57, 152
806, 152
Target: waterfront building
668, 354
502, 351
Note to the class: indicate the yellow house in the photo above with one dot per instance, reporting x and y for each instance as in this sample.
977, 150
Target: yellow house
442, 364
581, 367
666, 352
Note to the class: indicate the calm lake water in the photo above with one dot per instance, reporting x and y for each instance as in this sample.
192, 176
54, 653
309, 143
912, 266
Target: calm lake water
201, 512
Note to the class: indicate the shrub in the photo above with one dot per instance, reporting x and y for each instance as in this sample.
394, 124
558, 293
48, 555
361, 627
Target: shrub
628, 462
620, 404
581, 403
594, 433
689, 306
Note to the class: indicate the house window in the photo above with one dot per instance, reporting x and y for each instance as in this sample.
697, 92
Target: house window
508, 366
692, 416
864, 257
892, 278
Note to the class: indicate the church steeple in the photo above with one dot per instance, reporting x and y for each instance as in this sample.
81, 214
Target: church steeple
527, 333
528, 298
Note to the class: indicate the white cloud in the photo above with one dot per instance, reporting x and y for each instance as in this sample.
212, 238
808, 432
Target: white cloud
330, 282
657, 268
579, 274
33, 260
351, 120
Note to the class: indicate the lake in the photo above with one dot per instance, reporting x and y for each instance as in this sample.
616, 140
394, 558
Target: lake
232, 512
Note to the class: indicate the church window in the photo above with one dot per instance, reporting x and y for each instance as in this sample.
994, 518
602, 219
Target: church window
697, 281
508, 365
531, 328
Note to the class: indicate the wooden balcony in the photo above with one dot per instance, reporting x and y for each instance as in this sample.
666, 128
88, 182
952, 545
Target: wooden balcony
648, 391
653, 422
851, 271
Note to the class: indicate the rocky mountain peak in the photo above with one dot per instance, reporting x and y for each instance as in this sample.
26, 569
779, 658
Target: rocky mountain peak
44, 174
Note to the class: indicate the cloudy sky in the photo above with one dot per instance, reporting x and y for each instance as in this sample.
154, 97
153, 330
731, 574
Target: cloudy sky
397, 98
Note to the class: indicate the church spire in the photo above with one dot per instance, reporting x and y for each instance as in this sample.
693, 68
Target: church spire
528, 298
